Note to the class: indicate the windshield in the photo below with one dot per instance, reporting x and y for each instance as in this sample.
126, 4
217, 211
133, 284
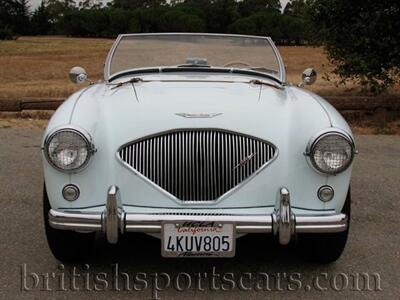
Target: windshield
203, 51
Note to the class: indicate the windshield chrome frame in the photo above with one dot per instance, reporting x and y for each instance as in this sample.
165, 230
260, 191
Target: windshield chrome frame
107, 65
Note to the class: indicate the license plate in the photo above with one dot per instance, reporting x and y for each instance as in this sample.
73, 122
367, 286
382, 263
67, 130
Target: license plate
197, 239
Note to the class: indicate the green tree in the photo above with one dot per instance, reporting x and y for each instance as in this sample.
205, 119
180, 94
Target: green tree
203, 5
119, 21
21, 18
218, 14
294, 29
221, 14
295, 23
296, 8
90, 4
131, 5
7, 8
40, 20
263, 23
151, 19
362, 39
249, 7
14, 18
57, 10
179, 21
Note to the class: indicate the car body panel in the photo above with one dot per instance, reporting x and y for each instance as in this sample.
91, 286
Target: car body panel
287, 117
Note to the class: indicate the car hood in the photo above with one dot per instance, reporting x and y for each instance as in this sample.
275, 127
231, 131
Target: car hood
131, 112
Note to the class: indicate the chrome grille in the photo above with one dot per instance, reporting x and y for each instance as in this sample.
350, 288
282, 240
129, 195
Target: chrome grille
190, 214
197, 165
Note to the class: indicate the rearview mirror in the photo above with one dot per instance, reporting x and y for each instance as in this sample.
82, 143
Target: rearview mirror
78, 75
308, 77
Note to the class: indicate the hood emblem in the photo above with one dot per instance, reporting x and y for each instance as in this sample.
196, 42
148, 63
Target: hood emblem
245, 160
199, 115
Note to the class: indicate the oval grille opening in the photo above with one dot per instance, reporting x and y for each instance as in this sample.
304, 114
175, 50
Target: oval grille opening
197, 165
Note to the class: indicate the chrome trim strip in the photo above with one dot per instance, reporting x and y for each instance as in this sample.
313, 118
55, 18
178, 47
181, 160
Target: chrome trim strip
75, 221
107, 65
333, 223
152, 222
282, 69
198, 116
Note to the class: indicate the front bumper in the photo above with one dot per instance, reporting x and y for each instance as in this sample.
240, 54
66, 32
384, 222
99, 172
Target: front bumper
283, 223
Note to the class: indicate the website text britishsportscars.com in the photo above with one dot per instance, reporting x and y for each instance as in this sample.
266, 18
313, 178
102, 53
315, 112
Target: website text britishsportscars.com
82, 278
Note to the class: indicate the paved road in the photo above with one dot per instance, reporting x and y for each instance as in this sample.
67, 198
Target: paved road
373, 245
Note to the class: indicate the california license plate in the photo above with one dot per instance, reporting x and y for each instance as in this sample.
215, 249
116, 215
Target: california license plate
197, 239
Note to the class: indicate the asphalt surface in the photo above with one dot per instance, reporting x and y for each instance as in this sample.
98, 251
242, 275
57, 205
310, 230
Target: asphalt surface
29, 271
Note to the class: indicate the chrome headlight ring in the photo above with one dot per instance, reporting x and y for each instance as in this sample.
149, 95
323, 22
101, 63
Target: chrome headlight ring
327, 159
68, 149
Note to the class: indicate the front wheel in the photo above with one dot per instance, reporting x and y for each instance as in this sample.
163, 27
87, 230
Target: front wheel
326, 247
66, 246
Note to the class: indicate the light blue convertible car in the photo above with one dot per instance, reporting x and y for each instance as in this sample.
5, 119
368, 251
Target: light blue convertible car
196, 139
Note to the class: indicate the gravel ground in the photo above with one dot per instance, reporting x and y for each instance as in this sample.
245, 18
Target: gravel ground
29, 271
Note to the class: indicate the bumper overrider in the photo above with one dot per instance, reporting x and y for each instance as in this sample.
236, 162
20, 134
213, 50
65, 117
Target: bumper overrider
114, 221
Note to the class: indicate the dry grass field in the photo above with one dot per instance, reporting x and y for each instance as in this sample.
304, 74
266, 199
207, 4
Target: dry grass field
38, 66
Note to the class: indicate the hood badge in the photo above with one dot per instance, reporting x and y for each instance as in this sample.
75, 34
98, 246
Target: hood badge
199, 115
245, 160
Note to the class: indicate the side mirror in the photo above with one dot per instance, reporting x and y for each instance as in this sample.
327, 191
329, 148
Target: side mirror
78, 75
308, 77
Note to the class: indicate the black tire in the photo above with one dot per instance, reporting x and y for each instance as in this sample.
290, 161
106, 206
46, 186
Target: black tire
66, 246
326, 248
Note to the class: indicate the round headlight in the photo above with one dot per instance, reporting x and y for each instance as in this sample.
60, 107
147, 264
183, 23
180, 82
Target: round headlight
68, 150
332, 153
